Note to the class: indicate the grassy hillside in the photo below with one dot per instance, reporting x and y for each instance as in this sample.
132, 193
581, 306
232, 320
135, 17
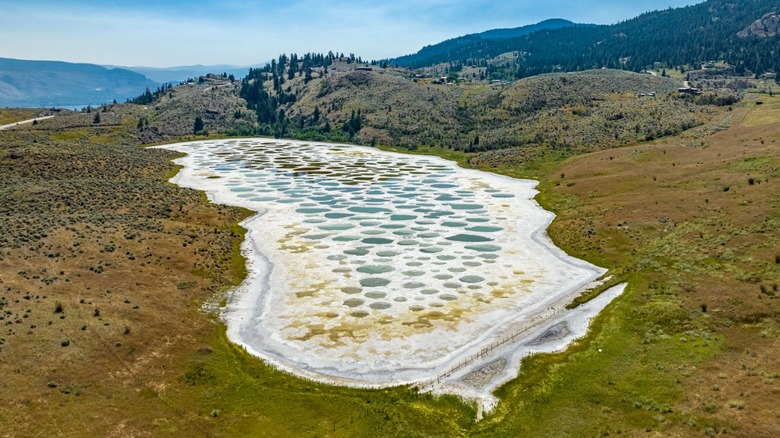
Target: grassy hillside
691, 349
214, 100
14, 115
568, 113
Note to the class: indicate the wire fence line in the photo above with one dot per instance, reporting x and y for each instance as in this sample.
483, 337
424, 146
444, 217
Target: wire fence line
532, 324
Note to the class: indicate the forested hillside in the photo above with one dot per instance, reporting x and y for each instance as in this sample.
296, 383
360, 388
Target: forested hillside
455, 47
683, 38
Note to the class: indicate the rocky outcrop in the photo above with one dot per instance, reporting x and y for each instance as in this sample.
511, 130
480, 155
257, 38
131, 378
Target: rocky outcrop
765, 27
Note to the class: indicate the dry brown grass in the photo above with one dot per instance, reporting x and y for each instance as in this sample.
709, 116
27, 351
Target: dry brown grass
100, 302
702, 223
13, 115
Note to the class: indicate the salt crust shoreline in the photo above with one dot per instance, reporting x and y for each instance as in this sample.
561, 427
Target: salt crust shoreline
249, 301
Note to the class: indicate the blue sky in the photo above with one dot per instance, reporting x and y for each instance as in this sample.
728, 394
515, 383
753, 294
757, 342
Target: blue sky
171, 33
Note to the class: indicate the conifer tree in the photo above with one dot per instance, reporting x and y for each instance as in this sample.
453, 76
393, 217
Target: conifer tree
199, 125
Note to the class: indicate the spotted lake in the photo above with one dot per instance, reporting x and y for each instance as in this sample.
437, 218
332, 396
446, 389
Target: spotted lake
370, 267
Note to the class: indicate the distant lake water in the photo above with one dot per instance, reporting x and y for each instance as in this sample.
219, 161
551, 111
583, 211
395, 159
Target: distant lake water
43, 105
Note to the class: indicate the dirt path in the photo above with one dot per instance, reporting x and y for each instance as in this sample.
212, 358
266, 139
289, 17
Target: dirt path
11, 125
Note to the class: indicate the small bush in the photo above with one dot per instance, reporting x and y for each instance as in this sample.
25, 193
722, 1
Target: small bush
58, 307
737, 404
197, 374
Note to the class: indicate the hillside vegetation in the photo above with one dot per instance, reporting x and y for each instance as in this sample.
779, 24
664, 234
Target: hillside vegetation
334, 98
171, 113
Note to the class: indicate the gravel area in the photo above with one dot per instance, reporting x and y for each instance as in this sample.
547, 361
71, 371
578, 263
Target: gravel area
482, 377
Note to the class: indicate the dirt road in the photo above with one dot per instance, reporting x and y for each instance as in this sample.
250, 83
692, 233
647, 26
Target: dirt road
11, 125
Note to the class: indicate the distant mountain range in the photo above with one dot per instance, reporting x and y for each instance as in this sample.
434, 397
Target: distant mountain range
182, 73
744, 33
52, 83
43, 84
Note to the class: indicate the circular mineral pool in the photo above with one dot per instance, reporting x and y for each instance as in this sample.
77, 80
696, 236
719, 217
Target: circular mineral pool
353, 302
377, 241
484, 248
375, 269
374, 282
470, 238
413, 285
414, 273
346, 238
380, 305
